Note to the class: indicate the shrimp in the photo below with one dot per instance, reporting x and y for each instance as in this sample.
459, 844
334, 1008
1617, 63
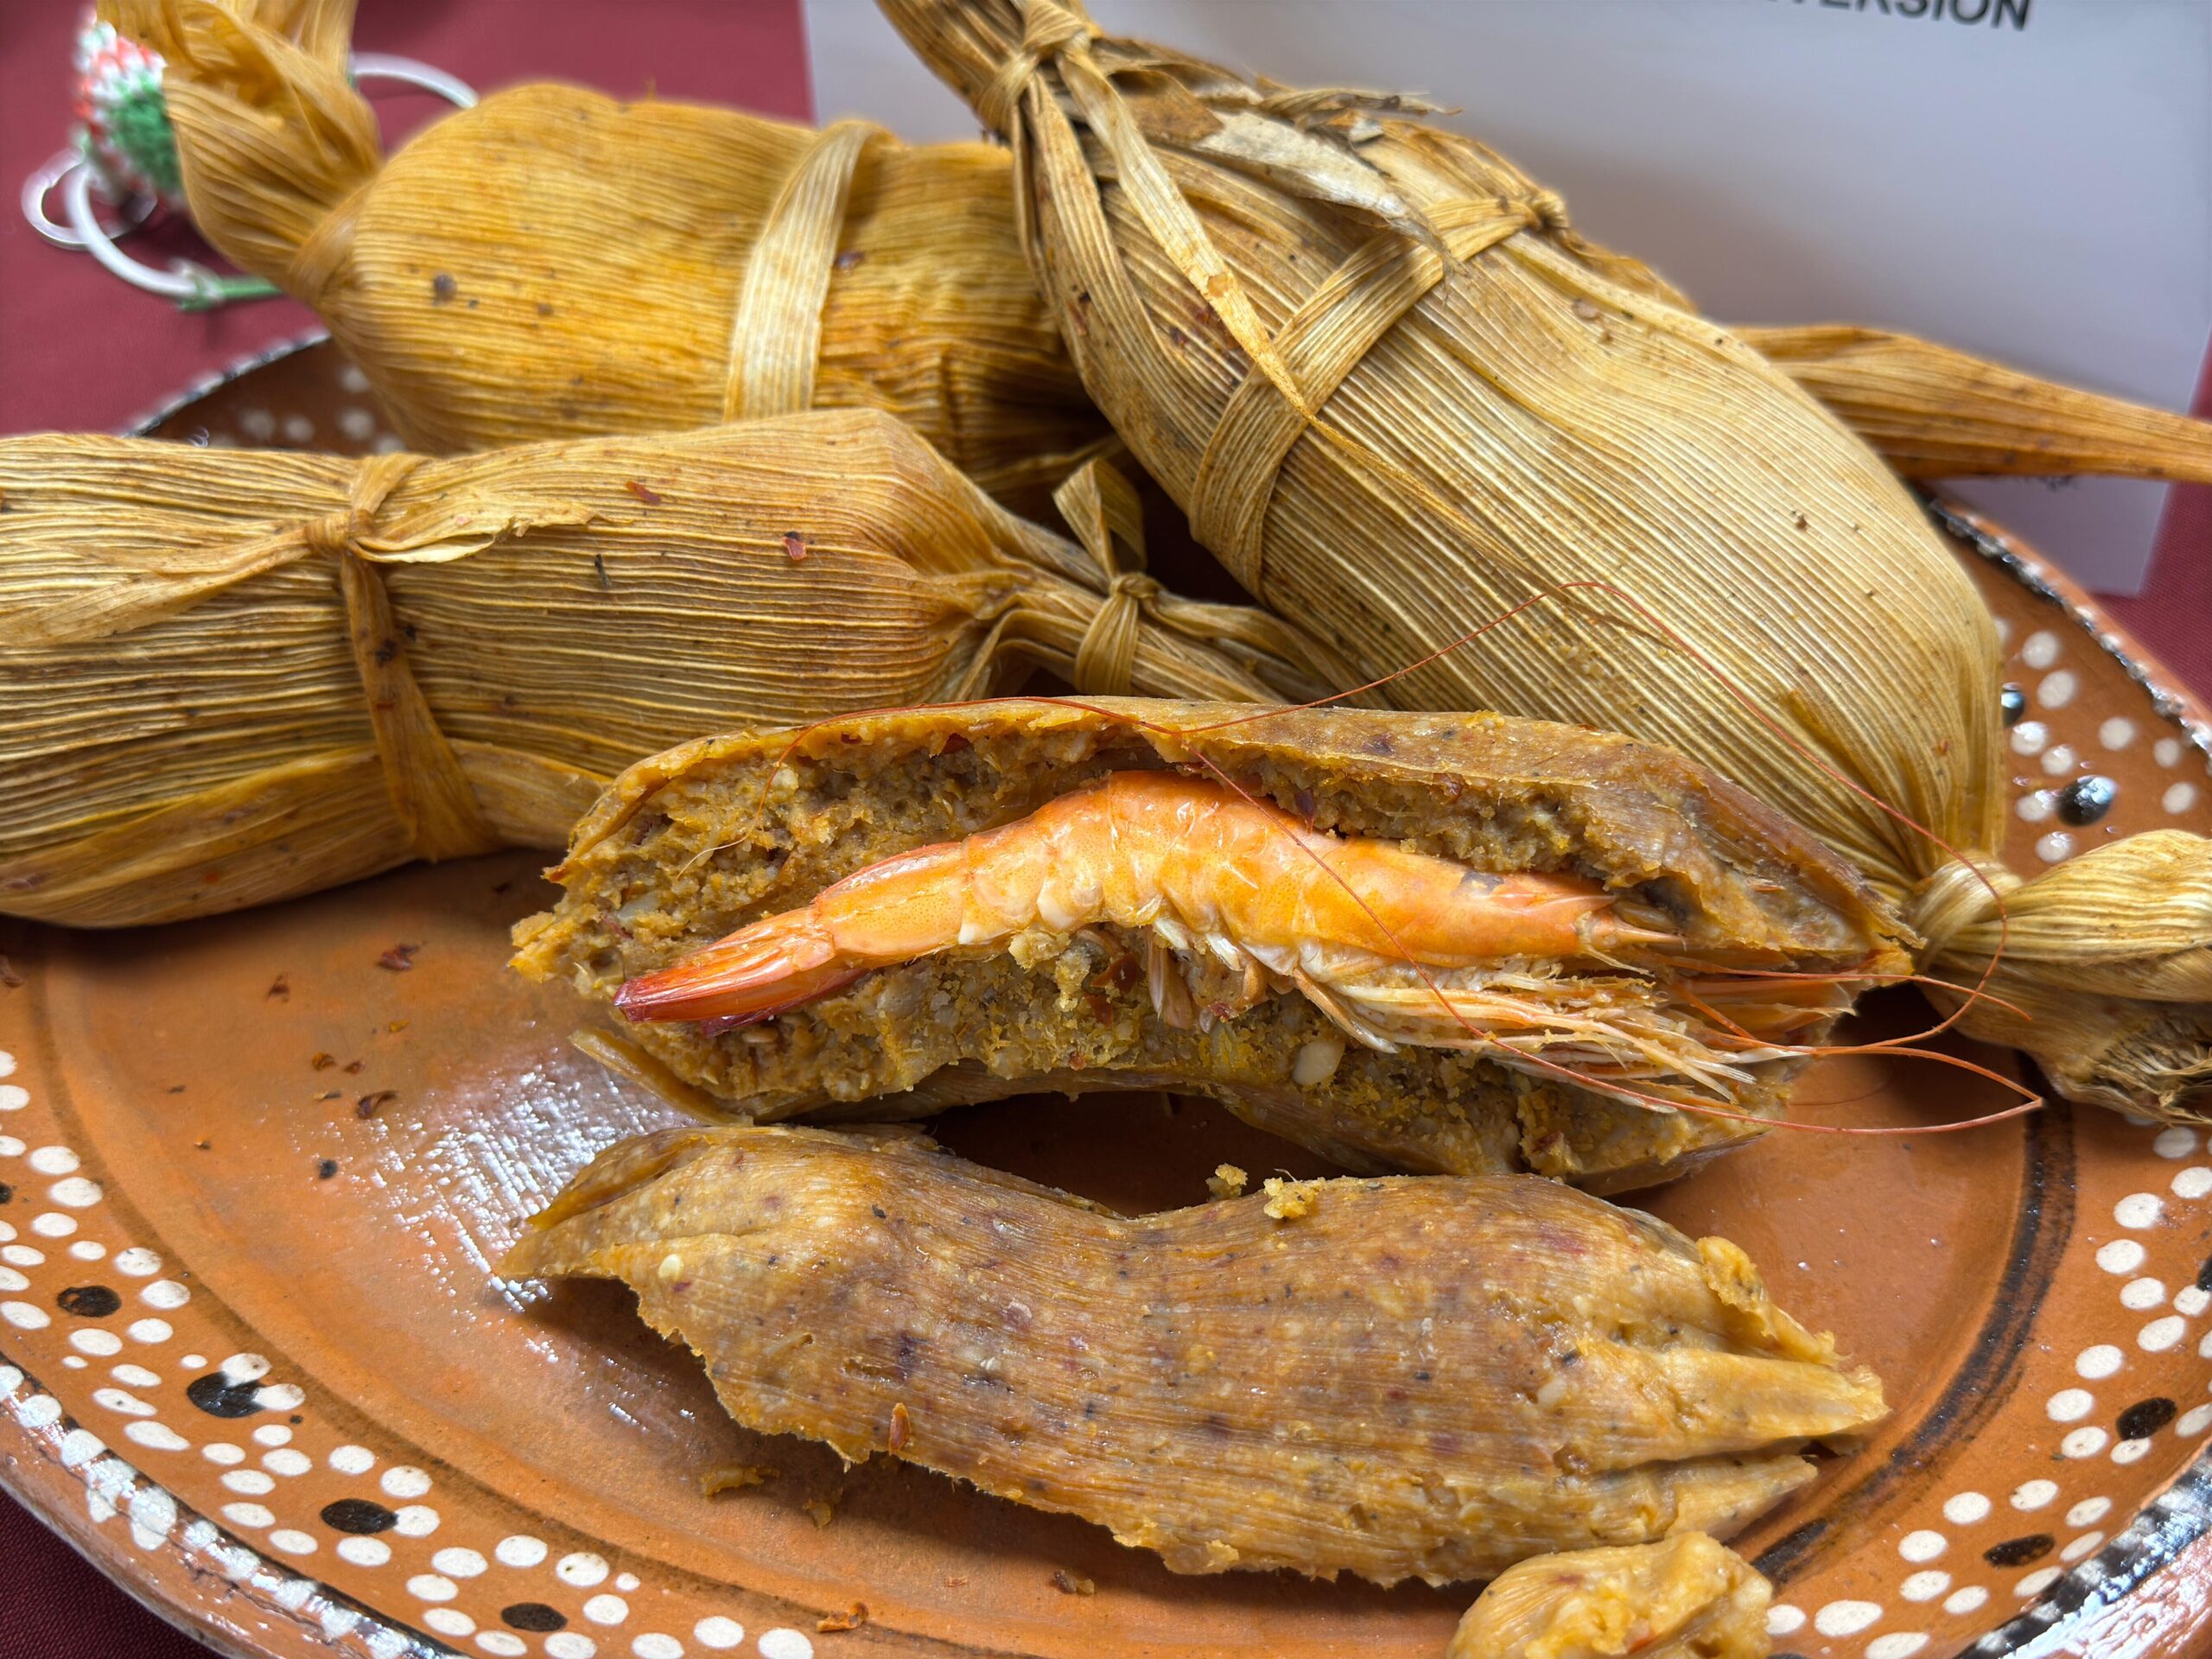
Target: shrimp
1394, 946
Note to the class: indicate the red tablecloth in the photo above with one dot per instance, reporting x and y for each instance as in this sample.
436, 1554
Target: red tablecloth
77, 350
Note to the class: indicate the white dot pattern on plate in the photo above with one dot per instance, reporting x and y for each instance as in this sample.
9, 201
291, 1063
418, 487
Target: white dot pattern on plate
718, 1632
1898, 1644
457, 1563
626, 1582
365, 1551
54, 1224
1847, 1617
654, 1645
2131, 1450
1965, 1600
1922, 1545
99, 1344
2083, 1443
248, 1515
568, 1645
2037, 1582
2039, 649
2120, 1257
520, 1549
2167, 750
2175, 1142
2139, 1209
273, 1434
2161, 1334
2117, 732
432, 1587
139, 1263
1965, 1508
88, 1249
2036, 806
53, 1160
415, 1520
2034, 1494
2140, 1294
784, 1643
1925, 1586
352, 1460
167, 1295
2055, 847
583, 1569
404, 1480
150, 1331
450, 1621
292, 1541
604, 1609
75, 1193
223, 1452
2057, 689
2193, 1422
2178, 798
500, 1643
2028, 737
2085, 1544
2088, 1512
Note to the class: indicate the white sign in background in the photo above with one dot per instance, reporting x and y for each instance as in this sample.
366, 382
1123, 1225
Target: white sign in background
2027, 179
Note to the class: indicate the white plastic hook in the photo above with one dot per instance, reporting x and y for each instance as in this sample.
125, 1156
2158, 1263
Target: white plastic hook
187, 283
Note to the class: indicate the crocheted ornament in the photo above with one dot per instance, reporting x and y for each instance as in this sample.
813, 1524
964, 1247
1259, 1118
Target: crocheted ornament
122, 124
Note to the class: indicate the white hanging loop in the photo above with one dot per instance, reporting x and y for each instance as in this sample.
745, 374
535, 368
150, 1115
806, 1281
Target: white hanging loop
192, 285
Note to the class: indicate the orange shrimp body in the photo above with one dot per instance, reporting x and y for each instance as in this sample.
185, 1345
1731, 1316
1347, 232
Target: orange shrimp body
1197, 863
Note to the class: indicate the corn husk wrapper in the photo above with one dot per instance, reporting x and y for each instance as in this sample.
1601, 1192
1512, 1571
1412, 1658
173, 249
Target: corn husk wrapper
1399, 397
900, 285
555, 264
229, 676
1934, 412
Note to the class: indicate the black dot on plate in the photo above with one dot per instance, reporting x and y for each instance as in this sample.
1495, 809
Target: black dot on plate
2087, 799
2018, 1552
2145, 1417
2204, 1274
2014, 702
6, 1192
533, 1616
325, 1169
359, 1515
217, 1396
88, 1302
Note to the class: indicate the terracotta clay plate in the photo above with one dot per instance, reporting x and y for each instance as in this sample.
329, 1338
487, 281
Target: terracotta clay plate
253, 1362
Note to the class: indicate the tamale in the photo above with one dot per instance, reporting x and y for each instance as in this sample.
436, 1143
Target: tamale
570, 313
554, 264
1409, 1377
1399, 397
1683, 1598
229, 676
1563, 1056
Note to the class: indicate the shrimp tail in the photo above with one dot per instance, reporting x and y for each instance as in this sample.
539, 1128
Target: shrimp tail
753, 974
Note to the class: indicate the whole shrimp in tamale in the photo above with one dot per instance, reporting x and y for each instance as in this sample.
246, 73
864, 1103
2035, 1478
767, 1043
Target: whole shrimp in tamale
1464, 943
1397, 1378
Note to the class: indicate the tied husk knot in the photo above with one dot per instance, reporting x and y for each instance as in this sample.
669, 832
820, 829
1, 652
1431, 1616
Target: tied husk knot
1400, 397
237, 675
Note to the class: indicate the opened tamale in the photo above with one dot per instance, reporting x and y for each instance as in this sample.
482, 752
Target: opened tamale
1576, 973
1400, 396
1398, 1378
228, 676
552, 263
495, 292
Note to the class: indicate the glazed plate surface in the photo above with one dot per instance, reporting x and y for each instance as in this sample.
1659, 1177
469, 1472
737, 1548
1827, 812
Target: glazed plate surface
254, 1362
